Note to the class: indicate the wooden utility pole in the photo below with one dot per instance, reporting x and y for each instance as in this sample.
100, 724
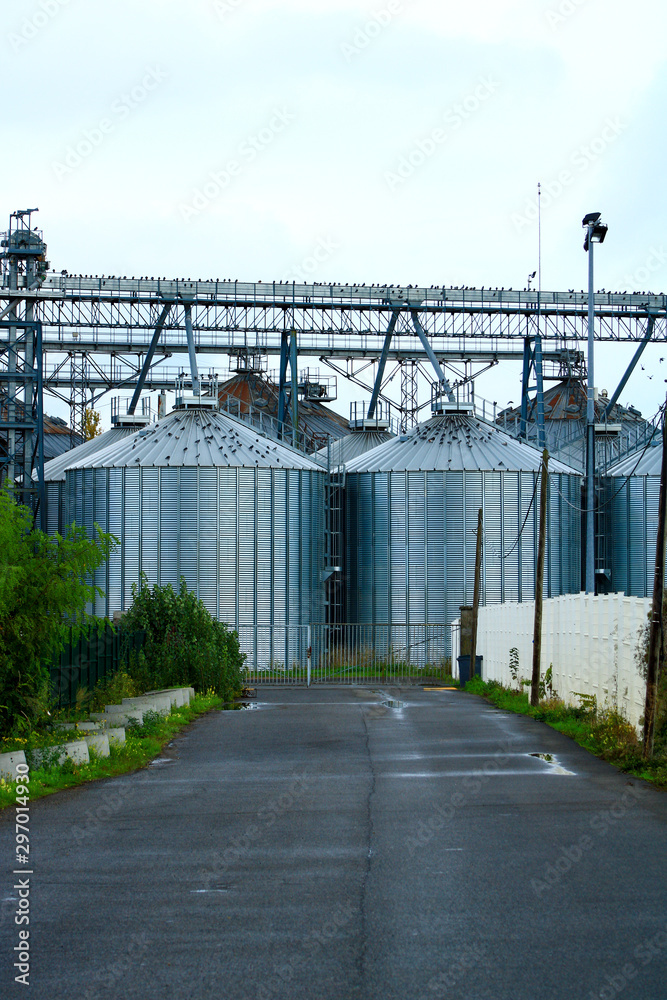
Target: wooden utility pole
475, 599
539, 582
655, 633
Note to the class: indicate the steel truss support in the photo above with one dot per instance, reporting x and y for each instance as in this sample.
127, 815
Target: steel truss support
294, 391
430, 353
631, 367
194, 371
79, 370
382, 364
22, 415
532, 361
288, 353
149, 356
409, 394
282, 378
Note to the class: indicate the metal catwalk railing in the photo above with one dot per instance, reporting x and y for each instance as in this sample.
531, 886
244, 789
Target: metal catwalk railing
345, 654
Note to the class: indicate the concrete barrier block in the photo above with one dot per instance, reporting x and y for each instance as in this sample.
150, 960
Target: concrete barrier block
155, 702
8, 764
77, 751
121, 715
116, 735
82, 726
179, 696
100, 741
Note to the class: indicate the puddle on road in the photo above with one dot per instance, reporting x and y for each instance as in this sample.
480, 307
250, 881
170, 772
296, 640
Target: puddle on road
393, 704
222, 889
162, 760
555, 766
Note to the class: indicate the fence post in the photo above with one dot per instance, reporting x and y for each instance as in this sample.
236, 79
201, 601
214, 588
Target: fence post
309, 651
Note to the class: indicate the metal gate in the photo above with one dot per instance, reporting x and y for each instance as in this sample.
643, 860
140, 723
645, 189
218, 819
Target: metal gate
346, 654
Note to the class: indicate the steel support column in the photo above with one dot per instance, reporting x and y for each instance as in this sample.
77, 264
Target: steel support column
282, 378
631, 367
442, 378
149, 357
525, 383
194, 371
294, 394
382, 364
38, 411
539, 381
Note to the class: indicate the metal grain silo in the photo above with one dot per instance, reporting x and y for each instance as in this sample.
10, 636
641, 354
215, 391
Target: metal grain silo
202, 496
411, 520
365, 433
55, 471
632, 493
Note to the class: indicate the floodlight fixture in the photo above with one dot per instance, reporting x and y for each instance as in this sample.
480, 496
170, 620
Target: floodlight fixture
595, 230
591, 218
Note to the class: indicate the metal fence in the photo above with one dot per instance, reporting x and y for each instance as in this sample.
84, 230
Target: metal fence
345, 654
91, 659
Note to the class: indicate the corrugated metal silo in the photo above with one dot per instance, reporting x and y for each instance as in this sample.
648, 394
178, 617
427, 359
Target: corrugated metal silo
411, 520
632, 493
55, 471
365, 433
202, 496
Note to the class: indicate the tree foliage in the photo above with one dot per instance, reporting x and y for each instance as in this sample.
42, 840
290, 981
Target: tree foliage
90, 425
45, 585
184, 645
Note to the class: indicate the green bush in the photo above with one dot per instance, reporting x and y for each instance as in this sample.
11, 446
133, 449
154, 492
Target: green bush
184, 645
45, 586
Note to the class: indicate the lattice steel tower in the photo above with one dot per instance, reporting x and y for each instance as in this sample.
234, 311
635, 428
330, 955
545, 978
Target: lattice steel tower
23, 267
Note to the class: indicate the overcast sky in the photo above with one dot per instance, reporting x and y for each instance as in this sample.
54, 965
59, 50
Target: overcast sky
404, 138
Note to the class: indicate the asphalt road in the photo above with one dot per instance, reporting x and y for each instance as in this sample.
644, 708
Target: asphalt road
325, 846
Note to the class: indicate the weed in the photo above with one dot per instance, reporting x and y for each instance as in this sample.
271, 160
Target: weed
138, 750
605, 733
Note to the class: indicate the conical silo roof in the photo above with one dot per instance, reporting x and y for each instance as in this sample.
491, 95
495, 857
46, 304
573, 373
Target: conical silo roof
55, 470
643, 462
199, 438
353, 445
455, 442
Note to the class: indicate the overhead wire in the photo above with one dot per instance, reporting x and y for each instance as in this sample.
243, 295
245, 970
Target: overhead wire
601, 506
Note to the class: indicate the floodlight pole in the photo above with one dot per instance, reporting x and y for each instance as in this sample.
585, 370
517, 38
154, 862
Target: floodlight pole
590, 428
